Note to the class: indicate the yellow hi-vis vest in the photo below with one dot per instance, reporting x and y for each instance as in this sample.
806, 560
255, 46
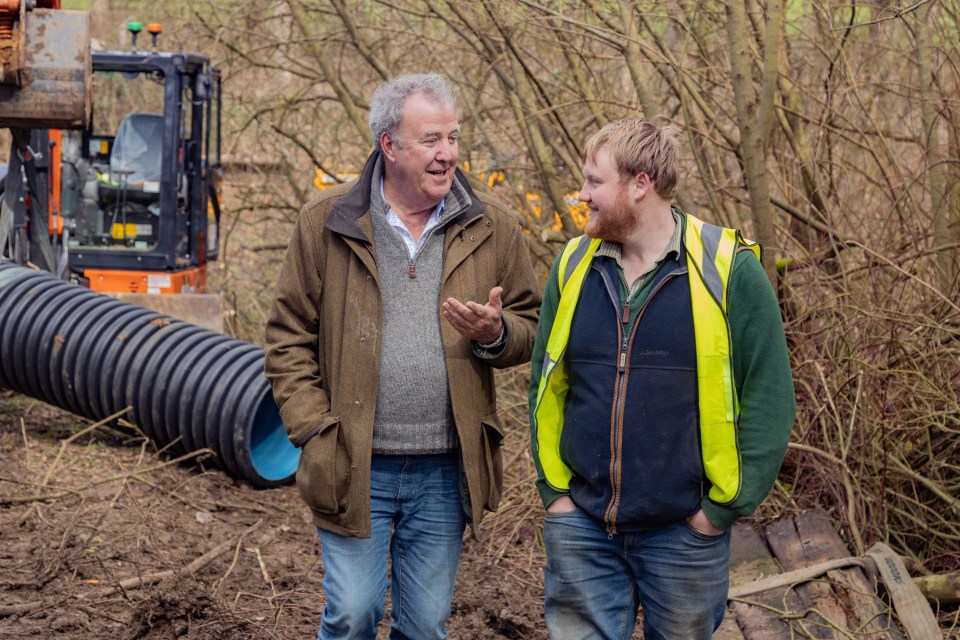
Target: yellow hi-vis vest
711, 251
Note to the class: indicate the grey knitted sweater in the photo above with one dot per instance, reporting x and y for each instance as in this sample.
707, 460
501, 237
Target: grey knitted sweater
413, 398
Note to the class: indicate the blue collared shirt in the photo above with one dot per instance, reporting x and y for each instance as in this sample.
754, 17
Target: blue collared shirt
412, 245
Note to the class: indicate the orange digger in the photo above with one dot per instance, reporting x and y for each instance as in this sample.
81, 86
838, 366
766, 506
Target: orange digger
114, 175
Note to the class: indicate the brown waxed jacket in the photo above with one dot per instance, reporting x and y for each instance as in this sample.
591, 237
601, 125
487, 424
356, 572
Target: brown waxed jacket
323, 346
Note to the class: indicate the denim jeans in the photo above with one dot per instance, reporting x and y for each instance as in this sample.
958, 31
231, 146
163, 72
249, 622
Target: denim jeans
594, 582
417, 514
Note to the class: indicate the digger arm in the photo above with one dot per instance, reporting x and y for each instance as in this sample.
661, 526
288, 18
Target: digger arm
45, 82
45, 67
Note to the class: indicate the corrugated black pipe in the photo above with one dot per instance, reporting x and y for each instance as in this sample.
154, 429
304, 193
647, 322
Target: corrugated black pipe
189, 388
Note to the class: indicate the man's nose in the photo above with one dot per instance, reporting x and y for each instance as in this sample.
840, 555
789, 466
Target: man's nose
447, 151
584, 195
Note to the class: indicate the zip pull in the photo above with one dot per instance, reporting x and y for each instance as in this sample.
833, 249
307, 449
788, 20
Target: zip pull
412, 270
623, 360
626, 313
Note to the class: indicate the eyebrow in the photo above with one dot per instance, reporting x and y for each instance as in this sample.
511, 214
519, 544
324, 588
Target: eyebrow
432, 133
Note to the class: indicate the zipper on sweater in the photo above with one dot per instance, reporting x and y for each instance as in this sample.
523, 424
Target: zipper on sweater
619, 402
412, 265
616, 429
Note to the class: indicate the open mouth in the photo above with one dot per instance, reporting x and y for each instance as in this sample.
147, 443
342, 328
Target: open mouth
439, 172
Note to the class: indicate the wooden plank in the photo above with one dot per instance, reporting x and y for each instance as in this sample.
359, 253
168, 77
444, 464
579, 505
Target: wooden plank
841, 604
866, 607
844, 599
854, 592
759, 623
729, 630
750, 560
821, 615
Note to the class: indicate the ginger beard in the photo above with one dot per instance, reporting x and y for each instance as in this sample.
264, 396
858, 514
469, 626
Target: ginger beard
614, 223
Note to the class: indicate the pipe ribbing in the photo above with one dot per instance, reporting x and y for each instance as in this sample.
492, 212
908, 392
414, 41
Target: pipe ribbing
189, 388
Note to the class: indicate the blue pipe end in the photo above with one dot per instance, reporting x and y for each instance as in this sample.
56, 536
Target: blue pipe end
273, 456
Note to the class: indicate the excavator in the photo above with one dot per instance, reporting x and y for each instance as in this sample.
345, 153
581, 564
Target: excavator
117, 189
113, 189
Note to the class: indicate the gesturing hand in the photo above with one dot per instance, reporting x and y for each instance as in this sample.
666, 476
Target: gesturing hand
478, 322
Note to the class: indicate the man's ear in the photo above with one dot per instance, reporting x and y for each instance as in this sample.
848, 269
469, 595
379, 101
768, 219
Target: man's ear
641, 184
388, 146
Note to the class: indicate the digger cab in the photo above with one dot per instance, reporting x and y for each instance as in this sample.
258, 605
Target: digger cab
142, 182
115, 176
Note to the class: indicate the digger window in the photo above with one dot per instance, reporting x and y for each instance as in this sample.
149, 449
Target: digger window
138, 149
119, 164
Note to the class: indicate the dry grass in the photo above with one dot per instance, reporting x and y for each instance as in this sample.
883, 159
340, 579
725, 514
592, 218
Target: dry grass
876, 355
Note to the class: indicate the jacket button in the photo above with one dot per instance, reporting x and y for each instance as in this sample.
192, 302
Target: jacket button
473, 238
356, 402
489, 224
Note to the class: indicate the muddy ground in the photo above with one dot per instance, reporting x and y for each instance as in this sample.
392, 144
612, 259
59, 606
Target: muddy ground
102, 537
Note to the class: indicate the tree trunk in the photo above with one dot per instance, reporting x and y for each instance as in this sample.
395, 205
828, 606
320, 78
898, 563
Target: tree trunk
751, 141
945, 231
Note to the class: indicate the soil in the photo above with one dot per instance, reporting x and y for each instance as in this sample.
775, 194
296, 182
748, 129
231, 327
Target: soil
102, 537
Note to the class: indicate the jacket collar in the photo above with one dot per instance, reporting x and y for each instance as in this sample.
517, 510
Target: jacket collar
355, 203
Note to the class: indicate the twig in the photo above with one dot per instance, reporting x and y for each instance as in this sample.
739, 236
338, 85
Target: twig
14, 609
141, 581
263, 570
66, 442
233, 564
935, 488
191, 569
268, 247
26, 443
135, 474
899, 13
98, 612
56, 461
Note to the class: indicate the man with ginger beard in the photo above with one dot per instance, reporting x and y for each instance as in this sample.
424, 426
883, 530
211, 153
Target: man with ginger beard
661, 400
398, 296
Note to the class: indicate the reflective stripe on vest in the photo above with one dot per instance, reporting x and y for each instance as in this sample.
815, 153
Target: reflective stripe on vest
552, 390
711, 251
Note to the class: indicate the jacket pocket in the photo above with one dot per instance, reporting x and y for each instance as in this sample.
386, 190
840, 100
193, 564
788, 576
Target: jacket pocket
491, 471
323, 474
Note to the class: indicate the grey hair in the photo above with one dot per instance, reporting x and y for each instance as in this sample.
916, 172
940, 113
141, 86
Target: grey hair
387, 102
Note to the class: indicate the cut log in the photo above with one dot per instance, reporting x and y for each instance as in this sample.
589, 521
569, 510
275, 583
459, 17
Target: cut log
943, 588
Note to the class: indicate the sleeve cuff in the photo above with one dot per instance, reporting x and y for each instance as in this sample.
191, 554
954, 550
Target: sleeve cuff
493, 349
720, 517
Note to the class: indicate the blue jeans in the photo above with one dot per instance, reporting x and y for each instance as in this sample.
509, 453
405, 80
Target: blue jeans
417, 514
594, 582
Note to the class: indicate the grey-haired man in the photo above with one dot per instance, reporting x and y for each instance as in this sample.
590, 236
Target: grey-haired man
395, 409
